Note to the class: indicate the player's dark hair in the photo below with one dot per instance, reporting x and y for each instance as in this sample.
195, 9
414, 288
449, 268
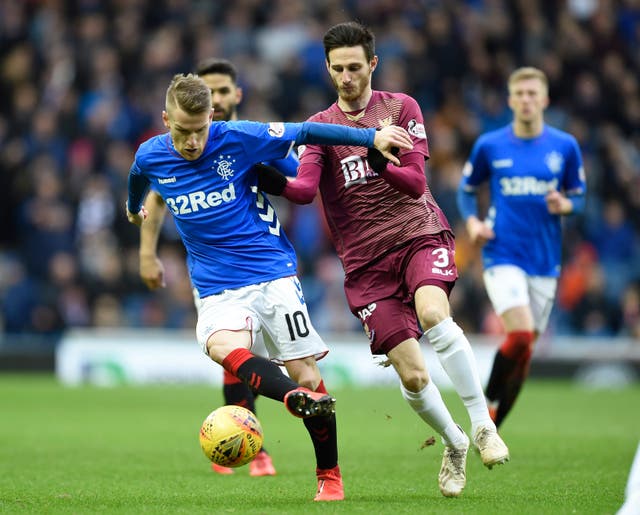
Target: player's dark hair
220, 66
349, 34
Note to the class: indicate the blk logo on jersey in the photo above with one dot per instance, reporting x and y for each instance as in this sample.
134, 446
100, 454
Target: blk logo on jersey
223, 166
197, 200
356, 169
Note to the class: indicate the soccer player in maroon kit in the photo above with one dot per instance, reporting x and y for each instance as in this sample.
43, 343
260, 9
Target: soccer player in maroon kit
396, 248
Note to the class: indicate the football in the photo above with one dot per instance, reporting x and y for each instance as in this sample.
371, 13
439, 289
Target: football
231, 436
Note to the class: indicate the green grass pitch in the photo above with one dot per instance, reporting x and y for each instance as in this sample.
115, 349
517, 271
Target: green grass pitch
135, 450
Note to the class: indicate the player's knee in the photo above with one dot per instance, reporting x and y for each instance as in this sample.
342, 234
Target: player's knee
414, 380
431, 316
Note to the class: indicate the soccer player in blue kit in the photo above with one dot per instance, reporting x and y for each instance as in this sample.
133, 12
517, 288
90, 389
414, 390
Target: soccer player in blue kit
535, 176
244, 267
221, 77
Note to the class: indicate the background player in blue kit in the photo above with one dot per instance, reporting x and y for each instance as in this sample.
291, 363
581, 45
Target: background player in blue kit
535, 176
221, 77
242, 266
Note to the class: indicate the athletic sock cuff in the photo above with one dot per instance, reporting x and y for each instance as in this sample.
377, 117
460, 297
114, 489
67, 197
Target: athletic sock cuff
517, 344
235, 359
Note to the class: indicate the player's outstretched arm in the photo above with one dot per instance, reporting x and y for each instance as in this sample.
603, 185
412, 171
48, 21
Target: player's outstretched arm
333, 134
151, 268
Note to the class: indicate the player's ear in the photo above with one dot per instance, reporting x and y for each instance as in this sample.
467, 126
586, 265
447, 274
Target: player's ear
545, 102
165, 120
238, 95
374, 62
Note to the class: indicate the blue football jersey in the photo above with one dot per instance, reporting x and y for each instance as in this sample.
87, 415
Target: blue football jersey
231, 233
520, 173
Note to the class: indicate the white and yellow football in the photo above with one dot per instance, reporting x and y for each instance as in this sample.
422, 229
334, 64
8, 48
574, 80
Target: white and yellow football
231, 436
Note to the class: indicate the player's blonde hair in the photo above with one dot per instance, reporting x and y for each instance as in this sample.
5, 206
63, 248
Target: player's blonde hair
188, 92
528, 72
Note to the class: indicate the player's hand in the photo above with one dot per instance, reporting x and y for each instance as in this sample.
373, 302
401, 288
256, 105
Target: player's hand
392, 137
558, 204
479, 232
136, 218
152, 271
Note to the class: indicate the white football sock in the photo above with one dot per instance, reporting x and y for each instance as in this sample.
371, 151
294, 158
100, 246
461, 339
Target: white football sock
457, 359
428, 404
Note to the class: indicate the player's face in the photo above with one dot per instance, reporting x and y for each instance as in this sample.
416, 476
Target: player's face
189, 132
350, 72
528, 99
225, 96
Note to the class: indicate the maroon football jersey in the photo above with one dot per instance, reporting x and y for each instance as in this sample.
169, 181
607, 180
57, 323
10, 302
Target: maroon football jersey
366, 216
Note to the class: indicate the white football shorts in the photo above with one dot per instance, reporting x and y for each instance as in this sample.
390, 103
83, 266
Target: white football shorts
257, 346
275, 309
508, 286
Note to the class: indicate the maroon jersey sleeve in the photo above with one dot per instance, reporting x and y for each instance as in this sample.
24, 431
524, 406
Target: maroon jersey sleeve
366, 215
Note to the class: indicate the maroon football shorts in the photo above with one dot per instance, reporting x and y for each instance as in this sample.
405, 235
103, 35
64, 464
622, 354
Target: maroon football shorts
381, 294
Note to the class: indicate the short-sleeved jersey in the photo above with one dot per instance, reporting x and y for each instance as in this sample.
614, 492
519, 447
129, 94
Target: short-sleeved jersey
367, 217
230, 231
520, 173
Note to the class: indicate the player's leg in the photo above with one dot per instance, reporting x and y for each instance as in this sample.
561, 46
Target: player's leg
424, 398
523, 324
524, 308
390, 324
427, 268
323, 433
226, 329
511, 362
292, 340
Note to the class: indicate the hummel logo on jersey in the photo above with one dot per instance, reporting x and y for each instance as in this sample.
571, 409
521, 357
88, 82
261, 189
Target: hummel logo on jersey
223, 166
299, 293
266, 212
167, 181
502, 163
197, 200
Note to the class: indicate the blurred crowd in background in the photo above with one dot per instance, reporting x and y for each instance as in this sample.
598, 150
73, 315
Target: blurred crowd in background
82, 84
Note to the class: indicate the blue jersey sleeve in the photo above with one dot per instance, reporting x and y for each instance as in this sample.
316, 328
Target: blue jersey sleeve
332, 134
287, 166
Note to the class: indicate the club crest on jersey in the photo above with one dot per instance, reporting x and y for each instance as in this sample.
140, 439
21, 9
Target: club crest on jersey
554, 161
276, 129
416, 129
223, 166
388, 121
